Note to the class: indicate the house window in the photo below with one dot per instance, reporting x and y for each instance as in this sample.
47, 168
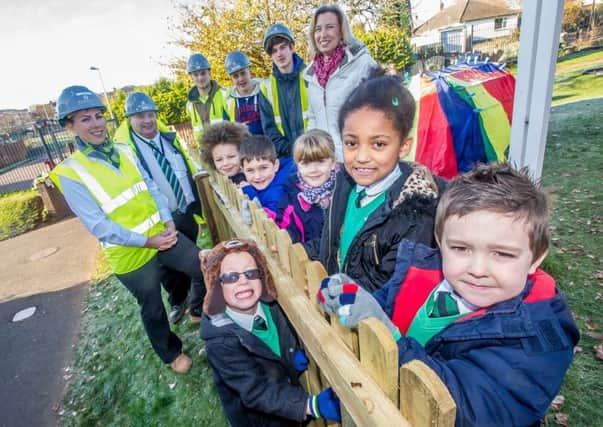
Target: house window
500, 23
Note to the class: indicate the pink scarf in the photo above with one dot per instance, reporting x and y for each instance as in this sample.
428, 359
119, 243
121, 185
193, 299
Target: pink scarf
324, 67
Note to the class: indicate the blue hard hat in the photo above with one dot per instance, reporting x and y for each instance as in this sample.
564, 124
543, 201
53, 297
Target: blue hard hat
76, 98
236, 61
139, 102
277, 30
197, 62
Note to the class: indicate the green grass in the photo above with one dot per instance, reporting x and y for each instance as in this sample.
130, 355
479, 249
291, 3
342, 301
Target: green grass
20, 212
117, 380
573, 171
570, 84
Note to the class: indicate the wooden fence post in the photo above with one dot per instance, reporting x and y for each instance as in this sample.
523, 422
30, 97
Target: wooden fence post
379, 355
424, 399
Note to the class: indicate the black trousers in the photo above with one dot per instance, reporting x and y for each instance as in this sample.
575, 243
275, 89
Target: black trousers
175, 283
145, 285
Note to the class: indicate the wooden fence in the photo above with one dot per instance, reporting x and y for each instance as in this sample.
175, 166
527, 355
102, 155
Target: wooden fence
362, 365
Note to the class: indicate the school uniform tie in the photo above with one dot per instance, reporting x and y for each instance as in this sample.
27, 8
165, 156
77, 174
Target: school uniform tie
444, 305
259, 324
169, 174
361, 195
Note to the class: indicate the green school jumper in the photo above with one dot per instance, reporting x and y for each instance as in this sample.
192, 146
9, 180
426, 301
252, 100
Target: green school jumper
354, 220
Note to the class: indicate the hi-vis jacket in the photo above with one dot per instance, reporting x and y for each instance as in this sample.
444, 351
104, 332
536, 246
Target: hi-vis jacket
269, 89
217, 111
125, 200
123, 135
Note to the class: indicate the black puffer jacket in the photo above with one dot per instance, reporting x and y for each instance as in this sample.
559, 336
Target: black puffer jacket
407, 213
256, 387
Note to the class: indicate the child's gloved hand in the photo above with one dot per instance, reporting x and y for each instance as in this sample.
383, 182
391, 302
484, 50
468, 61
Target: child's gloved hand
331, 289
341, 295
300, 360
246, 212
325, 405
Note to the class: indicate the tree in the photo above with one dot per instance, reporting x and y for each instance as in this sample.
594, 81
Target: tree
215, 28
575, 16
389, 45
169, 96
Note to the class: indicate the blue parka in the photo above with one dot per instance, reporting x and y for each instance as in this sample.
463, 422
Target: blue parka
503, 365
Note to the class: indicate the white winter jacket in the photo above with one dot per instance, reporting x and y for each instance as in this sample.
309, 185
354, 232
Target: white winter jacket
326, 103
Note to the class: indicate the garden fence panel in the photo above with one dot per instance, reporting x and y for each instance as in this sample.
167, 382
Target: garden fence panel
361, 366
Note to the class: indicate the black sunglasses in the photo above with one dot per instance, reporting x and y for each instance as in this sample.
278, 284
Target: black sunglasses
232, 277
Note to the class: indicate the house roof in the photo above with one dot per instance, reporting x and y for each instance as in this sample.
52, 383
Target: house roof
465, 11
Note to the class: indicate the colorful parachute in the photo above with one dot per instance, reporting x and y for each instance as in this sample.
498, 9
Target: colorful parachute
464, 117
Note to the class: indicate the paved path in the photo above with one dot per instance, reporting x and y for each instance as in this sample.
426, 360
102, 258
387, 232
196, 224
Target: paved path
47, 268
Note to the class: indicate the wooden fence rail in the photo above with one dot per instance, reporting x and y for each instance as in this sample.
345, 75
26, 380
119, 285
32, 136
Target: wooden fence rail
362, 365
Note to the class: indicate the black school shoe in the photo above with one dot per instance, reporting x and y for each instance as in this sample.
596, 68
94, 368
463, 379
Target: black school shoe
176, 313
195, 315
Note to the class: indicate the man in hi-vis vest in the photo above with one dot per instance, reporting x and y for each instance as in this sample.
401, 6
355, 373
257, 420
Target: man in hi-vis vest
206, 100
112, 195
167, 162
284, 103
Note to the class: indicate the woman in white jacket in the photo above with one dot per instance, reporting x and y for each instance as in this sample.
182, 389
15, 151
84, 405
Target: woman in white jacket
340, 62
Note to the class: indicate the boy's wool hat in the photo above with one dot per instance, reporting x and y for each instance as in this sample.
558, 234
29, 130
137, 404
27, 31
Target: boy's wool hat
210, 266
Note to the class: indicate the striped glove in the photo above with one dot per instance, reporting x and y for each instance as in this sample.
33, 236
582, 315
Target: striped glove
325, 405
341, 295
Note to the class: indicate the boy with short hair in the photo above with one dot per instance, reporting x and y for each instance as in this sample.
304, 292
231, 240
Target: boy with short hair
284, 101
479, 311
242, 102
252, 349
264, 172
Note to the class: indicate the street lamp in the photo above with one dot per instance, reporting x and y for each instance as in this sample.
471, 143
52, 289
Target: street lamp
104, 91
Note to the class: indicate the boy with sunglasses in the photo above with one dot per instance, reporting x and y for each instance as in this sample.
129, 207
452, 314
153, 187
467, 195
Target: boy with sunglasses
250, 345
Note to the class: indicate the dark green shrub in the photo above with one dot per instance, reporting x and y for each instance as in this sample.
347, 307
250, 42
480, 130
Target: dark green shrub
20, 212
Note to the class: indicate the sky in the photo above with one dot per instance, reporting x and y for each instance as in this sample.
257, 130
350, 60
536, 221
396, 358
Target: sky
47, 45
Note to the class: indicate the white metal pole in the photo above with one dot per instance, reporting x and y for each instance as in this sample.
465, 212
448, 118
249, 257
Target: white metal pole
104, 92
539, 44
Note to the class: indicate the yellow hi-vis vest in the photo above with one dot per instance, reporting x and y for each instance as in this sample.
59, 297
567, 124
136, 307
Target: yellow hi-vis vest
269, 89
125, 200
123, 136
216, 113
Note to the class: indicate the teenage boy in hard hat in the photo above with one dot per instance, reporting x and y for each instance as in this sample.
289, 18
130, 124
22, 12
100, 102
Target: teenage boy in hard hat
118, 202
284, 103
205, 103
242, 103
164, 158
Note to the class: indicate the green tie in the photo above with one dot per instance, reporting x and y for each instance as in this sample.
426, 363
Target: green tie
259, 324
444, 305
361, 195
169, 173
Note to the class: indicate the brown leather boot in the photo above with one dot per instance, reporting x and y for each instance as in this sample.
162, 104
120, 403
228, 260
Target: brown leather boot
181, 364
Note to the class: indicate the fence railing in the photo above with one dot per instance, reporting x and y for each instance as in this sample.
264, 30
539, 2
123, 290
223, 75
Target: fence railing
34, 153
362, 365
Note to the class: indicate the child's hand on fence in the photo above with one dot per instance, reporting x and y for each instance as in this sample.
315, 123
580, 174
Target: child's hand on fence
300, 360
330, 290
352, 303
325, 405
246, 212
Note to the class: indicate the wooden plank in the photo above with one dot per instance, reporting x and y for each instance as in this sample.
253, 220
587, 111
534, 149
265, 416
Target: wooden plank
283, 242
365, 402
315, 272
379, 355
347, 335
298, 258
424, 399
270, 230
207, 203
